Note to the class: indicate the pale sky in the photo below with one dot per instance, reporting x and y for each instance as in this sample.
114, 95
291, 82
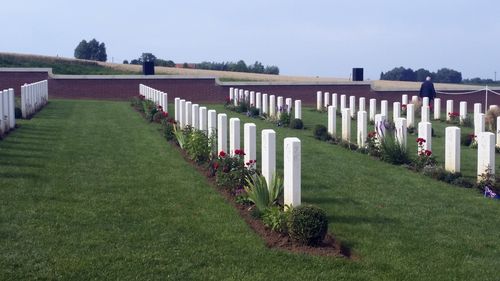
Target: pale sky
313, 38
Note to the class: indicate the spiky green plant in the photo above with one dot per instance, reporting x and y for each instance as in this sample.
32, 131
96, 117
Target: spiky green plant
262, 195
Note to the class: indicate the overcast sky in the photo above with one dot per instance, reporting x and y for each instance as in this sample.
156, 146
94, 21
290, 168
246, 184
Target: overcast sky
313, 38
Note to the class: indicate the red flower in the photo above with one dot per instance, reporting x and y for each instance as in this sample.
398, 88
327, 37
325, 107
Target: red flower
403, 106
216, 165
372, 134
165, 114
428, 152
222, 153
248, 163
239, 152
420, 140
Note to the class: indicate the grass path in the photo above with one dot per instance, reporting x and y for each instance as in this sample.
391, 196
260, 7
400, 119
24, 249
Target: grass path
89, 190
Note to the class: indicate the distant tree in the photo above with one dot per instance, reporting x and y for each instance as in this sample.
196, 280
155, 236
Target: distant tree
92, 50
147, 57
257, 67
125, 61
167, 63
399, 74
446, 75
135, 61
241, 66
185, 65
272, 70
422, 74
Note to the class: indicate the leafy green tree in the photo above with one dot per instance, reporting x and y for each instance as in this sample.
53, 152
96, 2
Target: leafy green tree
92, 50
399, 74
447, 75
147, 57
422, 74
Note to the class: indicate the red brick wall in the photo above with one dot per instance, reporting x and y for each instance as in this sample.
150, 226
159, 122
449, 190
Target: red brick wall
205, 90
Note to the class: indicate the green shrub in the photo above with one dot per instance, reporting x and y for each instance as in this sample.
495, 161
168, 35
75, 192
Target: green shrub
468, 121
392, 151
275, 218
136, 102
284, 119
197, 146
260, 194
242, 107
307, 225
253, 112
18, 114
467, 139
150, 109
168, 128
230, 171
321, 132
296, 124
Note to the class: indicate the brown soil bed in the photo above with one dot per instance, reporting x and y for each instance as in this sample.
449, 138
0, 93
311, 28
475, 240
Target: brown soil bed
329, 247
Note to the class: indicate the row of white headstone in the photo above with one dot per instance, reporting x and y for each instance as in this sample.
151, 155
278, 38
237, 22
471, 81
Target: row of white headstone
34, 96
158, 97
486, 140
7, 111
266, 104
323, 99
208, 121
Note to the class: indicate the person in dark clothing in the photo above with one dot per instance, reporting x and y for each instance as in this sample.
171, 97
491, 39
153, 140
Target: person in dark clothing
427, 90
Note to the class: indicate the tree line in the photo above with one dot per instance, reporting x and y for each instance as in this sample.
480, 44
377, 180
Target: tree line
239, 66
443, 75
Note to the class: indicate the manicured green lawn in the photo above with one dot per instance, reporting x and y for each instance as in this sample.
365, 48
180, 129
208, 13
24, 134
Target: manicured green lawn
89, 190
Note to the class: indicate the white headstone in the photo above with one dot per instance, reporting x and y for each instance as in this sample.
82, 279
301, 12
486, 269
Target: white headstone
332, 121
268, 154
425, 132
437, 108
319, 100
258, 101
477, 108
203, 119
231, 93
380, 125
401, 131
298, 109
234, 135
373, 109
362, 131
410, 115
12, 108
384, 110
326, 99
485, 153
396, 111
425, 101
272, 106
292, 172
404, 99
498, 131
252, 98
342, 102
362, 104
249, 142
176, 109
280, 106
164, 102
352, 105
346, 124
189, 114
452, 149
334, 100
478, 123
425, 114
182, 113
288, 104
414, 99
212, 123
463, 111
449, 109
265, 104
195, 110
222, 132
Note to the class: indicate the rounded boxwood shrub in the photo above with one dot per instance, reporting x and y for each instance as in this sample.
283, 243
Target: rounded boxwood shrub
296, 124
321, 132
307, 225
